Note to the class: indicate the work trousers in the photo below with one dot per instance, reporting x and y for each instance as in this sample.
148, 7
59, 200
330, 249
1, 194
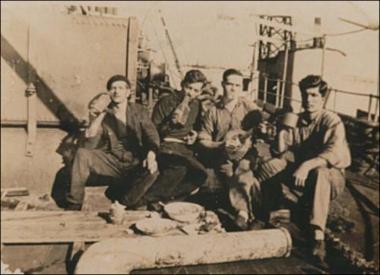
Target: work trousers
322, 185
245, 194
89, 161
179, 174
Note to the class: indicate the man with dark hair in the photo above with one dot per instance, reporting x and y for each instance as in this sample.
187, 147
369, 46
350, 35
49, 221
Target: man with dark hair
175, 116
121, 140
230, 114
318, 144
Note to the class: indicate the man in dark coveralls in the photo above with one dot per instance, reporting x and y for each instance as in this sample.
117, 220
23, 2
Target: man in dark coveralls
121, 142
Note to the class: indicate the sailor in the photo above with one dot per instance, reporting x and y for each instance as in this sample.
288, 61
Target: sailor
175, 116
317, 143
231, 112
121, 142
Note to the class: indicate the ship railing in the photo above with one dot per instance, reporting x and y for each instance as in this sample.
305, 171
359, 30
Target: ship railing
279, 97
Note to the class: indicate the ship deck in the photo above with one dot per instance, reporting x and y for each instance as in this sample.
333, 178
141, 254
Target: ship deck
353, 221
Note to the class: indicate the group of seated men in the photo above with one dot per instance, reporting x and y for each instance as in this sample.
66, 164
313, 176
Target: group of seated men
164, 157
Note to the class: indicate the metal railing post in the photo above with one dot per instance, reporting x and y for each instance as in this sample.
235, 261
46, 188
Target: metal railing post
376, 110
284, 77
278, 92
369, 107
265, 89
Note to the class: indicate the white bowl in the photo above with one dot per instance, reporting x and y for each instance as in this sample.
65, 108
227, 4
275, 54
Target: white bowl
185, 212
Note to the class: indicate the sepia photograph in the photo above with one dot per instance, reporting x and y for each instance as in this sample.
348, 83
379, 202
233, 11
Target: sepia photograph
190, 137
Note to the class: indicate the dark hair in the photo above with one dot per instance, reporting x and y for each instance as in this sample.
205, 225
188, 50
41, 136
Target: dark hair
194, 76
229, 72
313, 81
117, 77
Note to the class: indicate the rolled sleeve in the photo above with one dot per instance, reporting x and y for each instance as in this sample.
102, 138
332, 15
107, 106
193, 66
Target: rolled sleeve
207, 127
92, 141
150, 134
336, 151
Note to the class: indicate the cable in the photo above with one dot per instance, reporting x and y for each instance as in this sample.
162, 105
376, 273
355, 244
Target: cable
158, 40
345, 33
149, 12
332, 89
354, 93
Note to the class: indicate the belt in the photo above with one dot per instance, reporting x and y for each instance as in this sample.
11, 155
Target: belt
177, 140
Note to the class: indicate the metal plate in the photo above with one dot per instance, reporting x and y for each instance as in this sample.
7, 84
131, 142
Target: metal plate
71, 58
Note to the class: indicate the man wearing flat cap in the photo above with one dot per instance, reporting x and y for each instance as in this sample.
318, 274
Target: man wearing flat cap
121, 142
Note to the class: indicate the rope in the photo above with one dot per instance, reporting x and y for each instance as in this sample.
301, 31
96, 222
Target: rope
171, 72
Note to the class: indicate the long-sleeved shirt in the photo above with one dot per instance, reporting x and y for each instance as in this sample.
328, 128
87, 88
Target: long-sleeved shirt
324, 137
162, 116
219, 120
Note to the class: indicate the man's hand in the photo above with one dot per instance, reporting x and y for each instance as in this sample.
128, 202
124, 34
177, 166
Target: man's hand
98, 105
301, 174
95, 126
263, 128
191, 137
227, 169
150, 162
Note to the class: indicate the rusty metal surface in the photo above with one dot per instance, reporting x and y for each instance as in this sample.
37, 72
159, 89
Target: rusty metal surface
70, 56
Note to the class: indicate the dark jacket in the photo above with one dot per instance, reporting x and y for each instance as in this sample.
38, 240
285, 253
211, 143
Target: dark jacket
162, 116
134, 142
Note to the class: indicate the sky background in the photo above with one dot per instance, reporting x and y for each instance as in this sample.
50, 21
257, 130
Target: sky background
221, 34
200, 36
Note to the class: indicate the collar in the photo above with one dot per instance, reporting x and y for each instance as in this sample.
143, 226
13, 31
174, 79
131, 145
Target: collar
306, 119
230, 106
117, 108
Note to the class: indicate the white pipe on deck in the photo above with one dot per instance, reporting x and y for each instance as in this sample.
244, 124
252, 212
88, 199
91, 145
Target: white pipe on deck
121, 256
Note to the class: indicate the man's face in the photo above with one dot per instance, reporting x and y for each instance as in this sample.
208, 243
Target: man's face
232, 86
119, 91
193, 89
312, 100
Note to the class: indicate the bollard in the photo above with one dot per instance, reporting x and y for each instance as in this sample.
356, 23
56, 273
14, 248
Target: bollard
121, 256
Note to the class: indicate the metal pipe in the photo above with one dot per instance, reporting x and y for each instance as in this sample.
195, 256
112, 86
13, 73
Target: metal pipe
323, 54
23, 123
265, 89
285, 71
32, 121
376, 111
121, 256
369, 107
171, 44
255, 77
278, 92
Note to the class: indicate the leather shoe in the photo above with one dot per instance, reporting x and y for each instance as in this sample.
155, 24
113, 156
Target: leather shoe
318, 253
73, 207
